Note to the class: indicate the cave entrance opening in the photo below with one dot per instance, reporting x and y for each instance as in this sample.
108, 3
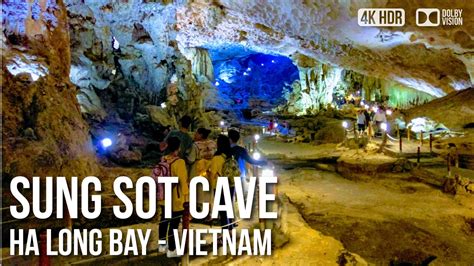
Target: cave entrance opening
250, 83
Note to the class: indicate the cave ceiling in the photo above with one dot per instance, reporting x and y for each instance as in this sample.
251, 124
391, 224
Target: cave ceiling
436, 60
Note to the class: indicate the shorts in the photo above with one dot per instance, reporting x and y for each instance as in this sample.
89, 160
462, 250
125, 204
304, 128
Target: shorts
361, 127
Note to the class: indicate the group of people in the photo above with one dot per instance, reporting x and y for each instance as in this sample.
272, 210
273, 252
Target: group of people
200, 156
365, 120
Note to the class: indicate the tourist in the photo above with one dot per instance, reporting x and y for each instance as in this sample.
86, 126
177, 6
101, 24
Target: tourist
242, 156
271, 126
361, 122
180, 197
224, 165
379, 118
185, 152
205, 148
204, 151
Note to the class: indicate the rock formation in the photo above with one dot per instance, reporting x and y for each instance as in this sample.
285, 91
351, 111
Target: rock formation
43, 131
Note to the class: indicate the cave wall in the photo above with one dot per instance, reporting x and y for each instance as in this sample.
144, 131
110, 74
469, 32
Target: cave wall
128, 65
321, 85
255, 80
43, 131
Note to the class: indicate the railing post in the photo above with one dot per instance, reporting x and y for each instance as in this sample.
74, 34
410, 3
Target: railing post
449, 164
400, 143
418, 154
431, 143
355, 131
421, 138
457, 159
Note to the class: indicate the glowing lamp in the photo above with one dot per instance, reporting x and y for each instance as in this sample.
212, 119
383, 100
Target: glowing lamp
262, 64
249, 69
275, 125
383, 126
256, 156
256, 137
115, 43
273, 61
217, 83
222, 123
375, 108
246, 74
345, 124
388, 112
106, 142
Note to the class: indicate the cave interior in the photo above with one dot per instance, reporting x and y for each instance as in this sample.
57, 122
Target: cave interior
93, 87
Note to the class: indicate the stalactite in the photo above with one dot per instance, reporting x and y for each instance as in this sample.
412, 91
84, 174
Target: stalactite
201, 63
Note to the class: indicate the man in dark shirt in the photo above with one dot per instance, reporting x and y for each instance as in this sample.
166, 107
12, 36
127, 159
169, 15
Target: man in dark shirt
241, 155
185, 149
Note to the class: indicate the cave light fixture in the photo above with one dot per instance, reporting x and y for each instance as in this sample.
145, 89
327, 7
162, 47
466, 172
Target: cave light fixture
217, 83
256, 137
384, 126
249, 69
256, 156
163, 105
273, 61
246, 74
115, 43
275, 125
345, 124
222, 123
388, 112
262, 64
106, 142
375, 108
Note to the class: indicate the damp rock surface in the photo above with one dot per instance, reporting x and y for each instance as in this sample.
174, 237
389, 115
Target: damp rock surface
391, 220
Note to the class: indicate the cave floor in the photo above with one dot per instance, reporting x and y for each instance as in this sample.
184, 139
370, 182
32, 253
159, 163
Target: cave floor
384, 220
390, 219
393, 218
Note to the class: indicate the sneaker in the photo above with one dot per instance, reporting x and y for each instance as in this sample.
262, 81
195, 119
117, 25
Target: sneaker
162, 248
172, 254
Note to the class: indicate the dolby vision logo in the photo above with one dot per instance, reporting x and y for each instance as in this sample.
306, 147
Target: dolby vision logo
428, 17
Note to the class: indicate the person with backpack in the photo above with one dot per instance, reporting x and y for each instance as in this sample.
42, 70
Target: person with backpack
224, 165
204, 149
242, 156
171, 165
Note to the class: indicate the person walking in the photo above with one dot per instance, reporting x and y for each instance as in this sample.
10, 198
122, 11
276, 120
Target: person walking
361, 122
204, 151
175, 166
224, 165
379, 118
185, 152
242, 156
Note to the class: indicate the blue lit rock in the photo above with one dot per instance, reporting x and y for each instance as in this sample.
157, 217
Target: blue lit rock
253, 81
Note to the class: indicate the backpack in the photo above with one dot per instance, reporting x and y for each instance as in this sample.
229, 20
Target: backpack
162, 170
230, 169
